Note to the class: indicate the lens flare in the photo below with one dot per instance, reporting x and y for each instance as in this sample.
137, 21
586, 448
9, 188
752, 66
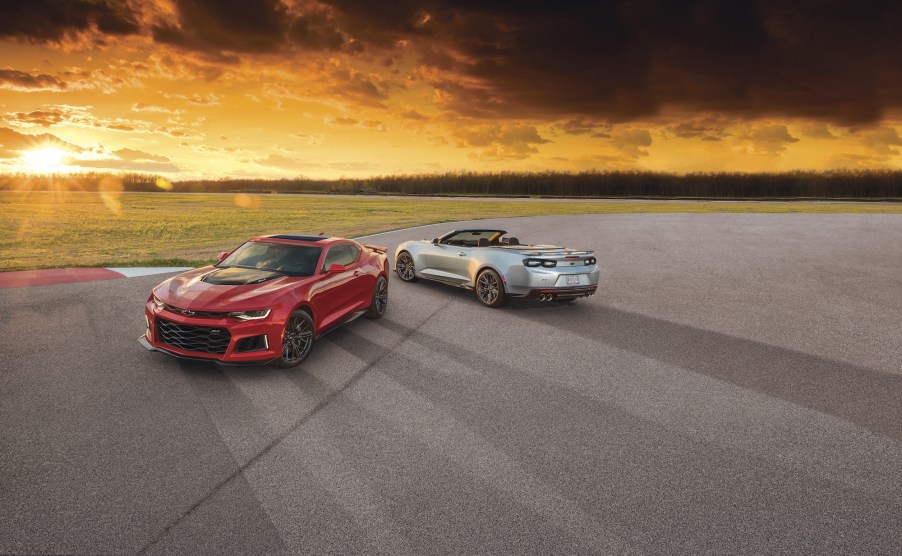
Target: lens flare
110, 189
244, 200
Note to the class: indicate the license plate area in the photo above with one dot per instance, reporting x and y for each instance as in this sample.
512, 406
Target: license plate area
572, 280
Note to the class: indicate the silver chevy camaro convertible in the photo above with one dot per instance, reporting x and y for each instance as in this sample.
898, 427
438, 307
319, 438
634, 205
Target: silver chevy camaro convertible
498, 267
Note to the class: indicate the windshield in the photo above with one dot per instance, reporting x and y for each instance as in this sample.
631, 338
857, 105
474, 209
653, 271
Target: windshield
293, 260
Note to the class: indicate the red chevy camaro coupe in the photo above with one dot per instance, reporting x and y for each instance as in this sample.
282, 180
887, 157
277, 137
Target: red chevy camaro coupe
268, 300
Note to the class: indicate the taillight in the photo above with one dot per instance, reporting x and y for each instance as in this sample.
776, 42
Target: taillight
539, 262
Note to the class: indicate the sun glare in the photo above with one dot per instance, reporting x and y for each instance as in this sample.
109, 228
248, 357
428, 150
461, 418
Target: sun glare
45, 159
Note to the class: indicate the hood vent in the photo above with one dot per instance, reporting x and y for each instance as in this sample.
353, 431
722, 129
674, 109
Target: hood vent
239, 276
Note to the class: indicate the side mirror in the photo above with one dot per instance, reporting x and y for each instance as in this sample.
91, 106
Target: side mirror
335, 269
435, 240
222, 255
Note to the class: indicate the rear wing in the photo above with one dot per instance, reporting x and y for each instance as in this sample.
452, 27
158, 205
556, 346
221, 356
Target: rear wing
552, 251
377, 248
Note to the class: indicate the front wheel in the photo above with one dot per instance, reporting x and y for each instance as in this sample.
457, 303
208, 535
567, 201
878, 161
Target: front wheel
379, 301
405, 268
490, 289
297, 340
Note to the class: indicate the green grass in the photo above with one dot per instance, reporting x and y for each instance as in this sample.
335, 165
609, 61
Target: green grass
47, 230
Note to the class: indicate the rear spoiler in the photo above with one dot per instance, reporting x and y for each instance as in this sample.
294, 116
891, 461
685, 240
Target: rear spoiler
377, 248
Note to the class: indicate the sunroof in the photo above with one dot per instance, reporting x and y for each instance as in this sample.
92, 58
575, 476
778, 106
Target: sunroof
299, 238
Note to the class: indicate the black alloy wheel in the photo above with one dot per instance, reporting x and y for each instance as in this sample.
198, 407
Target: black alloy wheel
405, 268
380, 299
297, 340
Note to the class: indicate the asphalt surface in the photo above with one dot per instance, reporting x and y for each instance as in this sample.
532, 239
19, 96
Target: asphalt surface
734, 387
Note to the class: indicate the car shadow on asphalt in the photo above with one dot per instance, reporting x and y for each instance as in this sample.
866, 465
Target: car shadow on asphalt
867, 397
509, 409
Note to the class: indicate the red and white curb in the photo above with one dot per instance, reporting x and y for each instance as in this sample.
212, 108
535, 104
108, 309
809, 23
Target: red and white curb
24, 278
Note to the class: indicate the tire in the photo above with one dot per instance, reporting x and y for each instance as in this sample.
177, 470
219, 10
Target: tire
490, 289
379, 301
297, 339
405, 268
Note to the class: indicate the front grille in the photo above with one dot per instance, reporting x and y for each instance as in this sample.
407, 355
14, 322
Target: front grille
200, 314
193, 338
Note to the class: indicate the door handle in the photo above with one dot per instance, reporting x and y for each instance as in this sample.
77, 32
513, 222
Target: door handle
461, 254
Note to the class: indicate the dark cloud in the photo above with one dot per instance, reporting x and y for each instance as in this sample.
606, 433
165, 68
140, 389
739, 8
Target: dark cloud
23, 81
226, 25
585, 126
817, 130
315, 31
606, 60
832, 60
632, 142
708, 127
499, 142
53, 20
769, 139
883, 141
43, 118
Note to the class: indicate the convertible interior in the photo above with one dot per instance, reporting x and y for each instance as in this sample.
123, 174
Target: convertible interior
480, 238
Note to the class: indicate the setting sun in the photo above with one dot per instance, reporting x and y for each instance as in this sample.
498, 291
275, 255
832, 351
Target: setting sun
46, 159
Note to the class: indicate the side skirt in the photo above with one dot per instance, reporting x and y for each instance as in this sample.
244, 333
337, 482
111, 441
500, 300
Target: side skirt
353, 316
462, 285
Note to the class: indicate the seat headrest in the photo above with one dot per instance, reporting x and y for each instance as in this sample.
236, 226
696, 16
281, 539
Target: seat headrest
483, 242
513, 241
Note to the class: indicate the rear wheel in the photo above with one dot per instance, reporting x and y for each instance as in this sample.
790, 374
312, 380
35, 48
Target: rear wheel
405, 268
490, 289
379, 301
297, 340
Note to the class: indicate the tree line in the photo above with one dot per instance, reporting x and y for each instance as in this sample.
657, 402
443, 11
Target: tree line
840, 184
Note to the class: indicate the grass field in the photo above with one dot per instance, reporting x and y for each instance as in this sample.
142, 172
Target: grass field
49, 230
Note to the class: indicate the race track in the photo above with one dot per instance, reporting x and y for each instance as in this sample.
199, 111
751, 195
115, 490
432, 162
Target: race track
734, 387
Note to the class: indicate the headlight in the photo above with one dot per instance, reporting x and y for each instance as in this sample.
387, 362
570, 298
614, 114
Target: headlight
250, 315
158, 303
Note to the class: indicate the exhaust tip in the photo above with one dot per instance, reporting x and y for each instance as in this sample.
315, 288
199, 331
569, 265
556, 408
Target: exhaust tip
541, 297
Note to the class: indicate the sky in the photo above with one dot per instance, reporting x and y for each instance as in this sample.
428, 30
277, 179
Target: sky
190, 89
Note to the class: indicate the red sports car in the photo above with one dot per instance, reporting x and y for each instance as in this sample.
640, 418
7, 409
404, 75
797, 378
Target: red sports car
268, 300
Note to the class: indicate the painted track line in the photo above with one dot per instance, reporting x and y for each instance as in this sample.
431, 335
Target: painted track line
46, 277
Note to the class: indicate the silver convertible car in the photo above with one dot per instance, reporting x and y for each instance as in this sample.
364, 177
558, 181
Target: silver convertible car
497, 267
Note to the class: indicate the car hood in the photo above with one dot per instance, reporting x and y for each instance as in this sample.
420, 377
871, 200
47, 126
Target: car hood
225, 289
